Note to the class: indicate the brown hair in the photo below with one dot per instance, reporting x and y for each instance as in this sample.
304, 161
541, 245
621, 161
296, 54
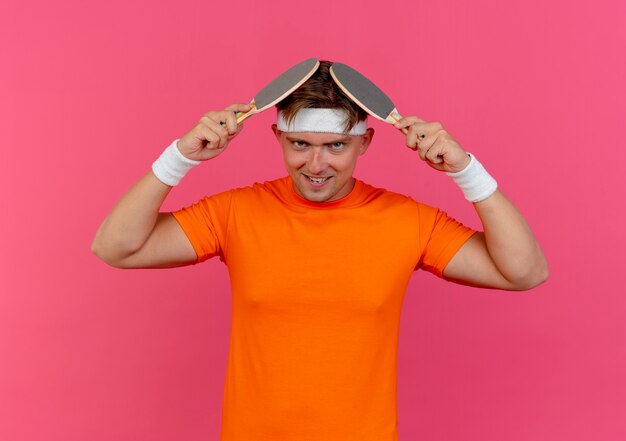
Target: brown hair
321, 92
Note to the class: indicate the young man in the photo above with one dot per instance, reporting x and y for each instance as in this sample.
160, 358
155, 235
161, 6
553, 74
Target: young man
319, 261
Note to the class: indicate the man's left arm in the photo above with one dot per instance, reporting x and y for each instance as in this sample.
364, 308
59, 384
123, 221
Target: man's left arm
506, 254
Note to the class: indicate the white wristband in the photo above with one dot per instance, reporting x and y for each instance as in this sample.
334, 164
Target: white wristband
474, 181
172, 165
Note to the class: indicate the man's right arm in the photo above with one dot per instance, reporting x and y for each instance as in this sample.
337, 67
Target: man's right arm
135, 234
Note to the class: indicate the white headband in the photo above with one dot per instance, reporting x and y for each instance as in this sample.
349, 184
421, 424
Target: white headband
321, 121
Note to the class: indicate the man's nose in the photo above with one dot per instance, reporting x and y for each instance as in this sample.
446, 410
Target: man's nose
317, 160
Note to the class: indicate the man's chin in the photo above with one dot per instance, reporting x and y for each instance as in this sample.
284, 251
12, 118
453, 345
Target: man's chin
316, 196
309, 191
313, 195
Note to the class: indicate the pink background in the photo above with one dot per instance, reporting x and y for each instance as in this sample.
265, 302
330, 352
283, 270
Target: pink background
91, 93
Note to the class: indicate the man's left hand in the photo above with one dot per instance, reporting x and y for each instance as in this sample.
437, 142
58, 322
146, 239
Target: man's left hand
434, 145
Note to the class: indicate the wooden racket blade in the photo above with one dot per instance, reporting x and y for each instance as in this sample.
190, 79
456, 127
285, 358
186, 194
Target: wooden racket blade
365, 94
280, 87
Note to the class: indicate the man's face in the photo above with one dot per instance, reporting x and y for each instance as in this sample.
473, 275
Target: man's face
321, 164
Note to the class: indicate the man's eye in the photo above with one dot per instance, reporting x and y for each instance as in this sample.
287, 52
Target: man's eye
337, 145
299, 144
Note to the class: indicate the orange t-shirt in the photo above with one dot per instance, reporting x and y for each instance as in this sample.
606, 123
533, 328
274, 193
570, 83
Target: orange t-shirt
317, 290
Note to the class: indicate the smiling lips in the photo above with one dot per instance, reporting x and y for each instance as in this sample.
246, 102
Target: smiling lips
318, 180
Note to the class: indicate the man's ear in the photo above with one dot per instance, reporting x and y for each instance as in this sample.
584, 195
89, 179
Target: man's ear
276, 131
366, 140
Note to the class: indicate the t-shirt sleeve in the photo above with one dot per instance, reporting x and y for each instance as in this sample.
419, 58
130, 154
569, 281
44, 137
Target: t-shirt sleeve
205, 224
441, 236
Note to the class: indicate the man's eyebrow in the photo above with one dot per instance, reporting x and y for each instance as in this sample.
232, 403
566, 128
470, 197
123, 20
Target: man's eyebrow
293, 138
343, 139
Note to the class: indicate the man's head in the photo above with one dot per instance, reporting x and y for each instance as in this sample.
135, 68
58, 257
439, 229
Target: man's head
321, 146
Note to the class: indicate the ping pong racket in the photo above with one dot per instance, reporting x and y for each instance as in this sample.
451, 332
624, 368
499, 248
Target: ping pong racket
280, 87
365, 94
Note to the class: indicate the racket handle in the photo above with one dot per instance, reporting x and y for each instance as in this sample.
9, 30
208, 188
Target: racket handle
396, 117
241, 116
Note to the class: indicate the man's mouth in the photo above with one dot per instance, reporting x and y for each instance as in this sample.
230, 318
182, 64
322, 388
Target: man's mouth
317, 180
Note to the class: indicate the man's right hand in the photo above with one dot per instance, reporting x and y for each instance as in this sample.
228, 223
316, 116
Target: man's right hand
212, 134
